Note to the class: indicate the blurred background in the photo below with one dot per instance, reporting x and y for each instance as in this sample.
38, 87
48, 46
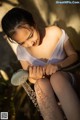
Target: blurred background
14, 100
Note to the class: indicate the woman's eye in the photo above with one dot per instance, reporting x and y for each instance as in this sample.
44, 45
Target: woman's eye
31, 35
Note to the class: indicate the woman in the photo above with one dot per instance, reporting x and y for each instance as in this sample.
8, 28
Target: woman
44, 54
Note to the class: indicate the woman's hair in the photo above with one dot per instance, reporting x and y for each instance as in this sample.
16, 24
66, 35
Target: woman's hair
15, 18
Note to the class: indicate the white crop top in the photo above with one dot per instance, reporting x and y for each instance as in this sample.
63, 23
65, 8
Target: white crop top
57, 56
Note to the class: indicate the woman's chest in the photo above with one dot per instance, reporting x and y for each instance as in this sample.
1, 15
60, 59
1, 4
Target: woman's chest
44, 51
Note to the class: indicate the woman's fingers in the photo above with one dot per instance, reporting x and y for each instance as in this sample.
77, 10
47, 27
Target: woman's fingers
30, 70
41, 71
50, 69
38, 69
34, 69
38, 72
35, 72
44, 70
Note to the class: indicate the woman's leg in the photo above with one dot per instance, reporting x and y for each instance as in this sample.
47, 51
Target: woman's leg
46, 100
68, 98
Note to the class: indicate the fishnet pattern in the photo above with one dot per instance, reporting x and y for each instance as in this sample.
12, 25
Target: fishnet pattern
45, 104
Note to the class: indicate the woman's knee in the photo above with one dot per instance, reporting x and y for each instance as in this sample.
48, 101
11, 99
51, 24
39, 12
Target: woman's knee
56, 77
58, 81
42, 83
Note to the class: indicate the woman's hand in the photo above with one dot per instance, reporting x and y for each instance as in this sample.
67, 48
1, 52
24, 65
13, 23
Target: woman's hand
35, 72
50, 69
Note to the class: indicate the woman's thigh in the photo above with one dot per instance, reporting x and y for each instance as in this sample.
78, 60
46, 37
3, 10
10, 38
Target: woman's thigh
60, 80
62, 86
46, 100
44, 86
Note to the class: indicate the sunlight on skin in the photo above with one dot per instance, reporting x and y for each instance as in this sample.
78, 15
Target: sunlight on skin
45, 14
71, 23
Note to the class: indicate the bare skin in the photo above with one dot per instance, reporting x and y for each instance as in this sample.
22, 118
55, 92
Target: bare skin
58, 81
50, 40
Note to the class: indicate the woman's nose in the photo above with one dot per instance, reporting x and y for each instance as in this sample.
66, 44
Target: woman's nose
30, 43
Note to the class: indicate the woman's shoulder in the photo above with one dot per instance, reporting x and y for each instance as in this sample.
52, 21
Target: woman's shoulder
53, 31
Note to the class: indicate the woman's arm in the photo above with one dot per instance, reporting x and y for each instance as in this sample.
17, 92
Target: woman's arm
72, 56
25, 65
35, 72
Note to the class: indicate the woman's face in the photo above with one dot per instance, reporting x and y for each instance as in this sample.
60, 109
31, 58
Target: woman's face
27, 37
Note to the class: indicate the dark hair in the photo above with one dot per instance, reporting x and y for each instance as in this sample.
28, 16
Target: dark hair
14, 18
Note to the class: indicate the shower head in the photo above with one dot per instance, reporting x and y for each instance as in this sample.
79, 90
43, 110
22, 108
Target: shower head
19, 77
